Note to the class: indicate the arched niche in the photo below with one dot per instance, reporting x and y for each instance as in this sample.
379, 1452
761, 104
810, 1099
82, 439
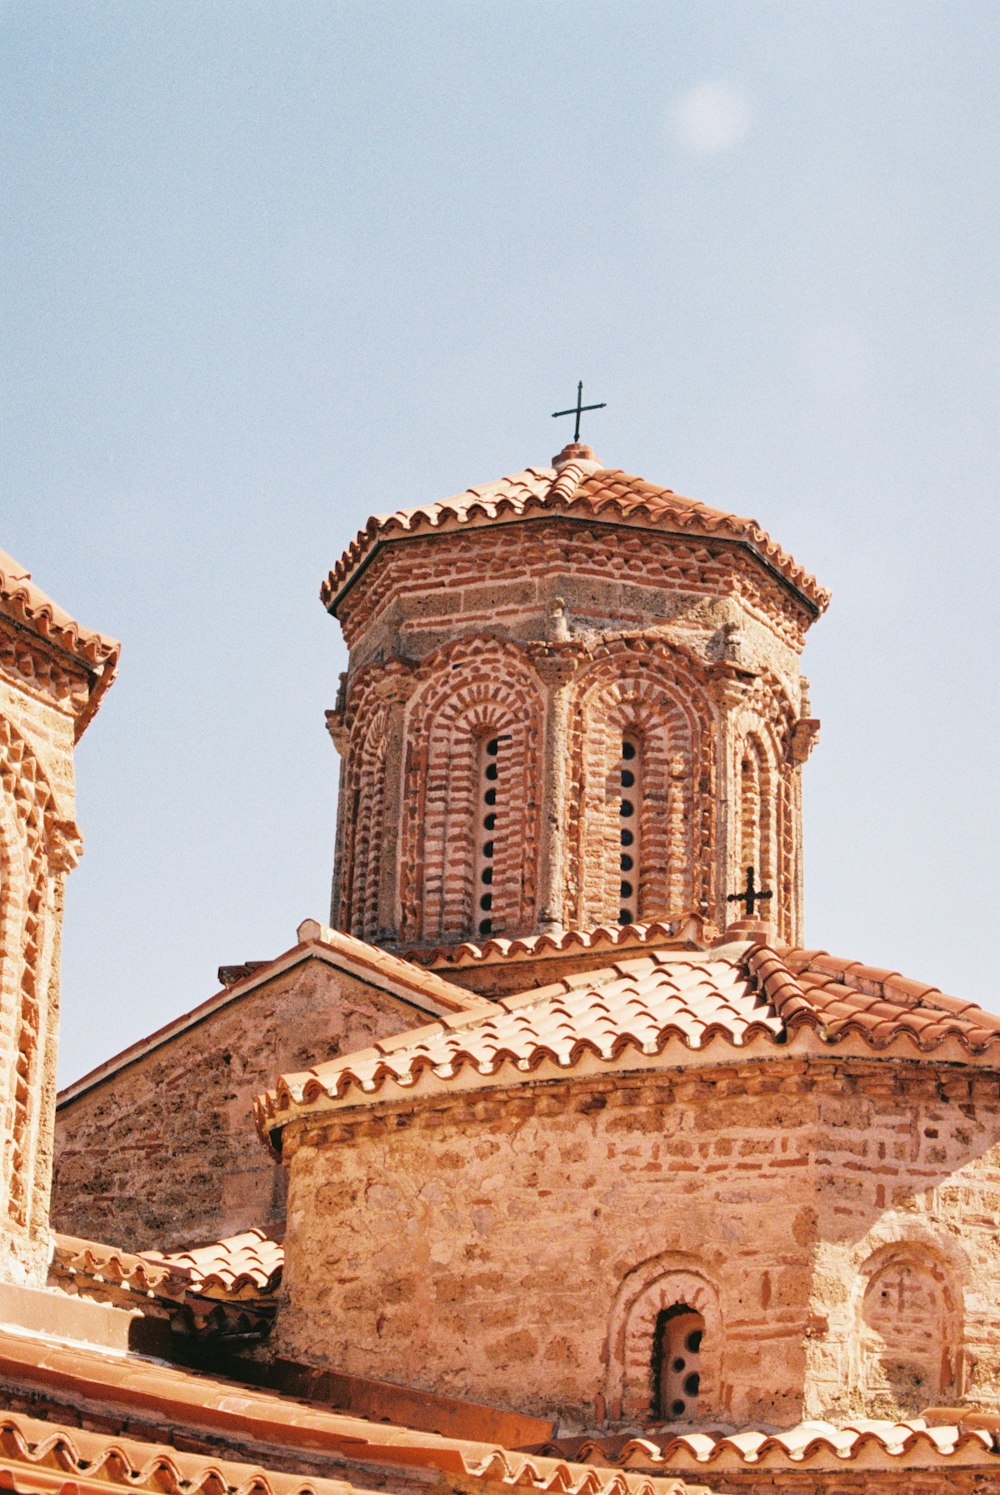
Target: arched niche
472, 693
655, 702
657, 1294
909, 1329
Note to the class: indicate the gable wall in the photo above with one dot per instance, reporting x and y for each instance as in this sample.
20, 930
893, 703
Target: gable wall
164, 1153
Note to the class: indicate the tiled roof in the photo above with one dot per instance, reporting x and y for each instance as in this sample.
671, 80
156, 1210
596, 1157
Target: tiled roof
241, 1266
685, 930
664, 1003
169, 1402
224, 1286
641, 1004
44, 1457
583, 489
25, 602
78, 1257
917, 1444
838, 998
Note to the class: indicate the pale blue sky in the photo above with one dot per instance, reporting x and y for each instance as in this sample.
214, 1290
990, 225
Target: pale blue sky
271, 267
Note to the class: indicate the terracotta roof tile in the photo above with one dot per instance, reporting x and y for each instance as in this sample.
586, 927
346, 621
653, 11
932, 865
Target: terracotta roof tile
140, 1274
194, 1406
640, 1005
919, 1442
688, 931
225, 1286
42, 1456
241, 1266
662, 1002
884, 1010
579, 488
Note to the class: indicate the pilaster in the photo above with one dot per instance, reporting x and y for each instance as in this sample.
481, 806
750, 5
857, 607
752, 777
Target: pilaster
557, 662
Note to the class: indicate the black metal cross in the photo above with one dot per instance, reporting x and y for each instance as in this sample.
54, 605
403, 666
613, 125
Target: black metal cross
751, 895
578, 409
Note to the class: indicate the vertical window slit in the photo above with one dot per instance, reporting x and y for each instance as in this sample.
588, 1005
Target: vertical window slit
486, 821
628, 864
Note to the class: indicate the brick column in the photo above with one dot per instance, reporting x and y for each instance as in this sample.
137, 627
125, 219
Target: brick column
395, 692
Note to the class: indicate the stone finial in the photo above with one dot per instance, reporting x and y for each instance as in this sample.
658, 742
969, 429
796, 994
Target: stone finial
312, 929
575, 451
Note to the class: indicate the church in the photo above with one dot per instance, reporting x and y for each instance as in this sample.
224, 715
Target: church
552, 1158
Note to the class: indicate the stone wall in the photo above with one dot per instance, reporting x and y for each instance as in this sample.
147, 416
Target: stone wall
163, 1153
520, 1247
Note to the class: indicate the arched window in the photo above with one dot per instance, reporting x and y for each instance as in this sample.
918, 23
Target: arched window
665, 1346
630, 812
634, 714
750, 809
470, 795
485, 828
676, 1363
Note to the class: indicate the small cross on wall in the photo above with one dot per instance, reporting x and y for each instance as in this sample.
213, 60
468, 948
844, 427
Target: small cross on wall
750, 896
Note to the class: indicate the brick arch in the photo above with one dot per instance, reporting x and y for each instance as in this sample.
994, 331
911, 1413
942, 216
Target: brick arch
758, 809
363, 789
908, 1328
467, 693
658, 699
662, 1283
31, 838
765, 833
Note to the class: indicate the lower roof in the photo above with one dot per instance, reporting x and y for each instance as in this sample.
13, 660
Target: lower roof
153, 1407
669, 1006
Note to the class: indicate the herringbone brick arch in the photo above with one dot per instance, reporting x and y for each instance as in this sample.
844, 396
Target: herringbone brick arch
655, 700
475, 691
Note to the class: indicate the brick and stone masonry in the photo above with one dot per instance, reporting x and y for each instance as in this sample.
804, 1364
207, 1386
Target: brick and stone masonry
53, 674
556, 630
833, 1223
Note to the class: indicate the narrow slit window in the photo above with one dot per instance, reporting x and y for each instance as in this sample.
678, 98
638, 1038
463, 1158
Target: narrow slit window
676, 1368
629, 807
485, 831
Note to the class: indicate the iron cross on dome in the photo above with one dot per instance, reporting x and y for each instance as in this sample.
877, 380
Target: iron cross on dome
578, 409
750, 896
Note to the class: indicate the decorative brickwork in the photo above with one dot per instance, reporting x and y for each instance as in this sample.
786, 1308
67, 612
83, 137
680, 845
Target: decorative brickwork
650, 575
363, 795
646, 616
476, 690
25, 899
766, 830
653, 697
52, 673
648, 1292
